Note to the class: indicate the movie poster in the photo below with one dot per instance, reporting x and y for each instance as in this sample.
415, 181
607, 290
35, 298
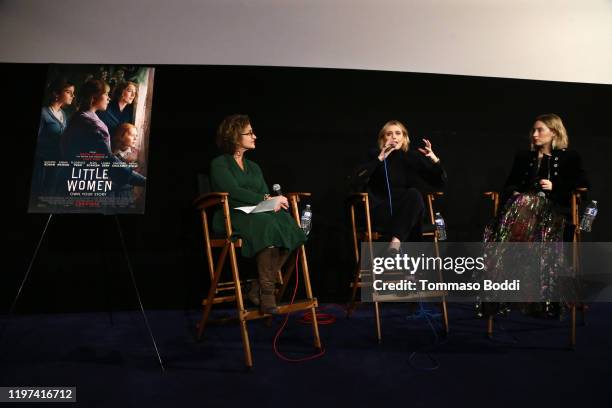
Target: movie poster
93, 140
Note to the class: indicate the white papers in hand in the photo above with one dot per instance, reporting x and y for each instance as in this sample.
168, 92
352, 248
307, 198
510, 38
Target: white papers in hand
266, 205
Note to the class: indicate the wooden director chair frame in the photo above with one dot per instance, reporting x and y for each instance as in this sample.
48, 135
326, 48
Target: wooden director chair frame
357, 200
230, 291
575, 202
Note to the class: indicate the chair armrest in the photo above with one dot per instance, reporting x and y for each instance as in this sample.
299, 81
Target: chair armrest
297, 195
431, 195
207, 200
494, 196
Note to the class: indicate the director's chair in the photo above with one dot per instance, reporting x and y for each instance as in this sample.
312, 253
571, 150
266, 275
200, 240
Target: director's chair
575, 201
360, 201
230, 291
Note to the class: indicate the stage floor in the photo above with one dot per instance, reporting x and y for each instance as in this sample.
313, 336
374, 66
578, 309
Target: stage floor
112, 363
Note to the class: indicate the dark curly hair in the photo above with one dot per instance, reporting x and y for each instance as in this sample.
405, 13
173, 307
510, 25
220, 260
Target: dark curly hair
228, 133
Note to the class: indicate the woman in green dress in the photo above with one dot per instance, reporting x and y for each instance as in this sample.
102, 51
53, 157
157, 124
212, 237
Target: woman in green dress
268, 236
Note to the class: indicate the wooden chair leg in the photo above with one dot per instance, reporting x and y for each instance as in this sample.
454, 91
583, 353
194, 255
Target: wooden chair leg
315, 329
308, 289
211, 292
246, 344
490, 327
352, 303
377, 316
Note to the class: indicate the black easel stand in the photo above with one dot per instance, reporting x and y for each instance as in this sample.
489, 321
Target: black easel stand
129, 265
144, 315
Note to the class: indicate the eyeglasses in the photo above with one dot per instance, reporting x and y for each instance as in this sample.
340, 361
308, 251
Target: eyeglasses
249, 133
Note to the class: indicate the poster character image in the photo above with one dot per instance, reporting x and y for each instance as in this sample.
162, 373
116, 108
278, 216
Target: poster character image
92, 142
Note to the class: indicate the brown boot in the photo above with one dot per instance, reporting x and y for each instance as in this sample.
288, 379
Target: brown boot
283, 255
267, 303
266, 268
253, 293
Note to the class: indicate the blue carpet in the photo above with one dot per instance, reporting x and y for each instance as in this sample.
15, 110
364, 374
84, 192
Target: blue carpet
112, 363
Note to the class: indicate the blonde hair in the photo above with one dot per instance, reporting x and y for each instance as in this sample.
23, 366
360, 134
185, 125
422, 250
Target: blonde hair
383, 131
555, 124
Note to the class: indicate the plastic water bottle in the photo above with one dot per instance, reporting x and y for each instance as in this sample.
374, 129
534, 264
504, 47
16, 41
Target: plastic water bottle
440, 227
588, 217
306, 219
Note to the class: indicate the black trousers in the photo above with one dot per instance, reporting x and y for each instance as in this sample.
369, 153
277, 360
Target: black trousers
405, 219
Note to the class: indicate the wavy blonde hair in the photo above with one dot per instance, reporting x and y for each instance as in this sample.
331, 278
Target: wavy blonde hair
555, 124
381, 134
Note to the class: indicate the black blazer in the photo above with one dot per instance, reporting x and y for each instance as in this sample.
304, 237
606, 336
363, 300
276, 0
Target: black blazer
563, 168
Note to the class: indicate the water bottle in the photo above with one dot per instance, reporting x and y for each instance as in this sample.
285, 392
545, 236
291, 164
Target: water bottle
440, 227
588, 217
306, 219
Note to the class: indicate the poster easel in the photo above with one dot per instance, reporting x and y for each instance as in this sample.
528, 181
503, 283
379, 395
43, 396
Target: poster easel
130, 269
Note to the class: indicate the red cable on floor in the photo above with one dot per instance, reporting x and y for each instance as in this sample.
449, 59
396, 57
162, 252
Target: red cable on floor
282, 328
322, 318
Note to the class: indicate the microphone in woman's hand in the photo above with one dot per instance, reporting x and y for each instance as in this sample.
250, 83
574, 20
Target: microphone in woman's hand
276, 188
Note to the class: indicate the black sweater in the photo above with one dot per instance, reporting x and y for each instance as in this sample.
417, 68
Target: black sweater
405, 170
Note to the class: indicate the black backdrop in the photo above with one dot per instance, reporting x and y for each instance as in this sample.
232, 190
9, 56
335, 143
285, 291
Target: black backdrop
313, 126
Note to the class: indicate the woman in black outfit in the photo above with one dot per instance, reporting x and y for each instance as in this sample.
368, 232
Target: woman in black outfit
537, 209
391, 174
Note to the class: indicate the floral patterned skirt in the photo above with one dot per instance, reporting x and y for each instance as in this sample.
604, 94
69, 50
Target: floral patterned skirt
528, 218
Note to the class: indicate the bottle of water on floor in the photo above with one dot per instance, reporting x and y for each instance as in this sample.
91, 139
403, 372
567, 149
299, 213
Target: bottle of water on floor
306, 219
586, 223
440, 227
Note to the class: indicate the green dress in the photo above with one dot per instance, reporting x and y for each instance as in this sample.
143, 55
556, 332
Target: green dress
246, 188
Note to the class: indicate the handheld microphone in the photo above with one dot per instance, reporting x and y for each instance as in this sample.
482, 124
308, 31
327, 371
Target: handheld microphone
390, 147
277, 190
